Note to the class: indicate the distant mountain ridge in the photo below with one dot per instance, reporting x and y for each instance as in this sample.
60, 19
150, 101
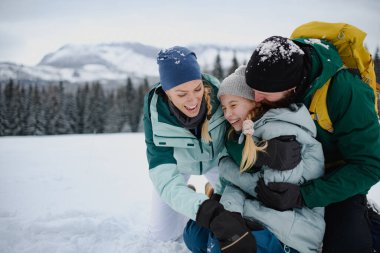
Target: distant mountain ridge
78, 63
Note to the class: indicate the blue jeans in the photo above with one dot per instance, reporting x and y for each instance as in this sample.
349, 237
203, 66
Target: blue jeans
202, 240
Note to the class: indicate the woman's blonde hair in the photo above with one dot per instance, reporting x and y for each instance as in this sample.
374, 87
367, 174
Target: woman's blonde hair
249, 153
204, 133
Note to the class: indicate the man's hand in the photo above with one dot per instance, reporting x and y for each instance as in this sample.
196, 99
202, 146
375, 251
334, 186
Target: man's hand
279, 196
282, 153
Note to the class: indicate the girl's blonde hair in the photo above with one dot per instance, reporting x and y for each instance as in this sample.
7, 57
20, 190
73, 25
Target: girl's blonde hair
249, 153
204, 133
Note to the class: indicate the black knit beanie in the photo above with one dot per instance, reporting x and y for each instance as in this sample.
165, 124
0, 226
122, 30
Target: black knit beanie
275, 65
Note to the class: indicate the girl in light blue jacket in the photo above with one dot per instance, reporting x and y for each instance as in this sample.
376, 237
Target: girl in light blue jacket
297, 230
301, 228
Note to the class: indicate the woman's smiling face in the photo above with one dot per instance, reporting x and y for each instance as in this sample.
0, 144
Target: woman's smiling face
187, 97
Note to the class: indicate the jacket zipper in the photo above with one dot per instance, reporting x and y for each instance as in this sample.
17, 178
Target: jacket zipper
200, 162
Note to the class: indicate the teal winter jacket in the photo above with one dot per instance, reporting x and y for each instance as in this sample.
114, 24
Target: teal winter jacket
173, 150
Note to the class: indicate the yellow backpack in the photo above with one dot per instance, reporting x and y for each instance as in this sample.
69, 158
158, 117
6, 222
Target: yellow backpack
348, 40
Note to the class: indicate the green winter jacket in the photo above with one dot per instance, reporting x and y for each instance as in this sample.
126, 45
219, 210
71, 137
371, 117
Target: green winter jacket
355, 142
173, 150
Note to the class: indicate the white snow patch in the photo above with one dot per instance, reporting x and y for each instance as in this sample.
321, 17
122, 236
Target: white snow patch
274, 50
76, 193
316, 41
80, 193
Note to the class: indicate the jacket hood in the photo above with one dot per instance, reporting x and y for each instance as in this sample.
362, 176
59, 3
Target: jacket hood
325, 58
294, 114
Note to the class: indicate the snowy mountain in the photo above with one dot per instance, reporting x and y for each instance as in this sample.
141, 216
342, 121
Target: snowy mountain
111, 62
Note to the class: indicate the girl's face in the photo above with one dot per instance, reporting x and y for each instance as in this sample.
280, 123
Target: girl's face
236, 109
187, 97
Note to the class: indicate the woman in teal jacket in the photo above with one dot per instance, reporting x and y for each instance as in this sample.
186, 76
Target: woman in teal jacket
184, 133
184, 129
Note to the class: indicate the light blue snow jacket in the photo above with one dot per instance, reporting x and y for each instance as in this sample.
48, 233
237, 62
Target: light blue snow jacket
173, 150
301, 229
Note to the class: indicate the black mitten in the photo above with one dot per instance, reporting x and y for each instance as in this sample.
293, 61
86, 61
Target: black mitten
216, 197
279, 196
282, 153
232, 233
229, 228
207, 211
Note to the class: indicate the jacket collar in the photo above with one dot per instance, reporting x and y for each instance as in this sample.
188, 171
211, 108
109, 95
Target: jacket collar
325, 62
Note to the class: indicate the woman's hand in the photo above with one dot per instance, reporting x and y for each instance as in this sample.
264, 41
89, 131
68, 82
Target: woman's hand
229, 228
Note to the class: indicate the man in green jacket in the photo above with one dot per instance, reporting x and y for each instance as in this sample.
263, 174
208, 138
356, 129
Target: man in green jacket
298, 68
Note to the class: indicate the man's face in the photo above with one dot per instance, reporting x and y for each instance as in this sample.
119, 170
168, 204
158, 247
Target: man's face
273, 99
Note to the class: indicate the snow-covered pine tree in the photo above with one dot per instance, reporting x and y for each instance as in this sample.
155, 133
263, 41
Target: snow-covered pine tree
40, 110
71, 112
218, 68
31, 115
56, 118
121, 108
113, 114
83, 104
25, 110
234, 66
131, 105
97, 108
138, 113
12, 108
2, 111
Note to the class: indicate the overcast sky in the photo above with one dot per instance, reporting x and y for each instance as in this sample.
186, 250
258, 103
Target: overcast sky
29, 29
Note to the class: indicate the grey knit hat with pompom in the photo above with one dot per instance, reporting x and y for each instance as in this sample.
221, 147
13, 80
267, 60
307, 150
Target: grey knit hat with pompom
236, 85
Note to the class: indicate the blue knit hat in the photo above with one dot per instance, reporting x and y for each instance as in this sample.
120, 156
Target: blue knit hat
177, 65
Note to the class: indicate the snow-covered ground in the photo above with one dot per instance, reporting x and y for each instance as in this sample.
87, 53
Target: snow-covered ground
79, 193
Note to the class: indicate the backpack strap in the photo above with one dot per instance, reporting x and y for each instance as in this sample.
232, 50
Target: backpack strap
318, 108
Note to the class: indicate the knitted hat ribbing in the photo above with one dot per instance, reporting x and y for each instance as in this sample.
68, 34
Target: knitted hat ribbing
276, 65
236, 85
177, 65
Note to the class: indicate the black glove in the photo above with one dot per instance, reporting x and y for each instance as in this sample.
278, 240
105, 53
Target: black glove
253, 225
229, 228
279, 196
232, 233
282, 153
216, 197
